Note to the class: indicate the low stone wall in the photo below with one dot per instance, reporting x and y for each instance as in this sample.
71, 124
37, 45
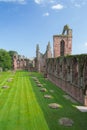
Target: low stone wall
72, 90
70, 74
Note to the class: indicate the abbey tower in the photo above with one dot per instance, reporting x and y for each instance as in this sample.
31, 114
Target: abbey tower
62, 44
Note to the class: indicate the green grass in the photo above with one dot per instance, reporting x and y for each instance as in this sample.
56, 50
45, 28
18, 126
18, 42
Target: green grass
23, 106
67, 110
19, 109
3, 77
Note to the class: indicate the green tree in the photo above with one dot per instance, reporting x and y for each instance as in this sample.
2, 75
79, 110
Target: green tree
5, 60
11, 53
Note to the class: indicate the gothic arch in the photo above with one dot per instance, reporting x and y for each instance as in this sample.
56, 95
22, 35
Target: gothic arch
62, 48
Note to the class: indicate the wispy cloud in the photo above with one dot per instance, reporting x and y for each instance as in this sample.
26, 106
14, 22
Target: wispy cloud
52, 1
56, 4
13, 1
57, 7
85, 44
46, 14
44, 1
78, 3
38, 1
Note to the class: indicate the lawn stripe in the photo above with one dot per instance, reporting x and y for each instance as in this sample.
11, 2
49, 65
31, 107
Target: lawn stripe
6, 106
4, 77
23, 106
37, 116
14, 114
20, 109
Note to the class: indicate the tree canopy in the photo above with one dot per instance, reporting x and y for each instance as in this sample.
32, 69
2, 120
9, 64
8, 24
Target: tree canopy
11, 53
5, 60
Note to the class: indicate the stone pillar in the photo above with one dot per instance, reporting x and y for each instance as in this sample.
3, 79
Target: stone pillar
85, 100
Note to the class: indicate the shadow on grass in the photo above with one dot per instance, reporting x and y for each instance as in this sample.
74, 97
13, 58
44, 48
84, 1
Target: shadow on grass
52, 116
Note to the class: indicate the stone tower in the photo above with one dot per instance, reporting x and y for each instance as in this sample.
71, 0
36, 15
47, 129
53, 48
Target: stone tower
15, 57
37, 58
62, 44
37, 51
48, 51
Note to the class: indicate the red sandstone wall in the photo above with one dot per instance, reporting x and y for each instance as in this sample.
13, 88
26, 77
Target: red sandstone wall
70, 74
56, 45
72, 90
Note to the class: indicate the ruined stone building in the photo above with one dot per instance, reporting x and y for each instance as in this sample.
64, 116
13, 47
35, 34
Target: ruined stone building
22, 63
69, 72
40, 60
62, 44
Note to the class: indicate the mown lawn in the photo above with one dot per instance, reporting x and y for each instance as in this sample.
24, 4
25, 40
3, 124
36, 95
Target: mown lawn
23, 106
19, 109
67, 108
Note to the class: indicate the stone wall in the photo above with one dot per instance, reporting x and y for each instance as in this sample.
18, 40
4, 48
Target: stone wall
70, 74
62, 44
40, 60
22, 63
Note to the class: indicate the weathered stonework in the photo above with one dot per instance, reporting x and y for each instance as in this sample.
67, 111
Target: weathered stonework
62, 44
40, 61
69, 72
22, 63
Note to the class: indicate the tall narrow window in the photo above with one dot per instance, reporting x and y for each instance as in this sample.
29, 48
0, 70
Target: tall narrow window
62, 48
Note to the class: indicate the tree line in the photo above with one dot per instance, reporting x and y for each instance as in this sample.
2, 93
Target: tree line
6, 59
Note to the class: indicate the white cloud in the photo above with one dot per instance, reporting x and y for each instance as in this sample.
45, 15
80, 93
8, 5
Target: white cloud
57, 7
46, 14
86, 44
19, 1
38, 1
44, 1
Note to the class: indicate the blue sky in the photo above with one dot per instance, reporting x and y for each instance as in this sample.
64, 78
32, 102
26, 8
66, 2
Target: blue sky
25, 23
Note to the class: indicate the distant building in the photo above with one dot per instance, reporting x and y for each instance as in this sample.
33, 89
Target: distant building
22, 63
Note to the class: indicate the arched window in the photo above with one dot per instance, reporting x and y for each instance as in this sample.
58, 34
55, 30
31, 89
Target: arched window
62, 48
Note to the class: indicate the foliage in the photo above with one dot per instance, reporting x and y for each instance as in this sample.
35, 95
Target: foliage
5, 60
11, 53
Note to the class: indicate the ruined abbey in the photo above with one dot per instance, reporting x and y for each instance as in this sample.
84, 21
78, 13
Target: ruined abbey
22, 63
69, 72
